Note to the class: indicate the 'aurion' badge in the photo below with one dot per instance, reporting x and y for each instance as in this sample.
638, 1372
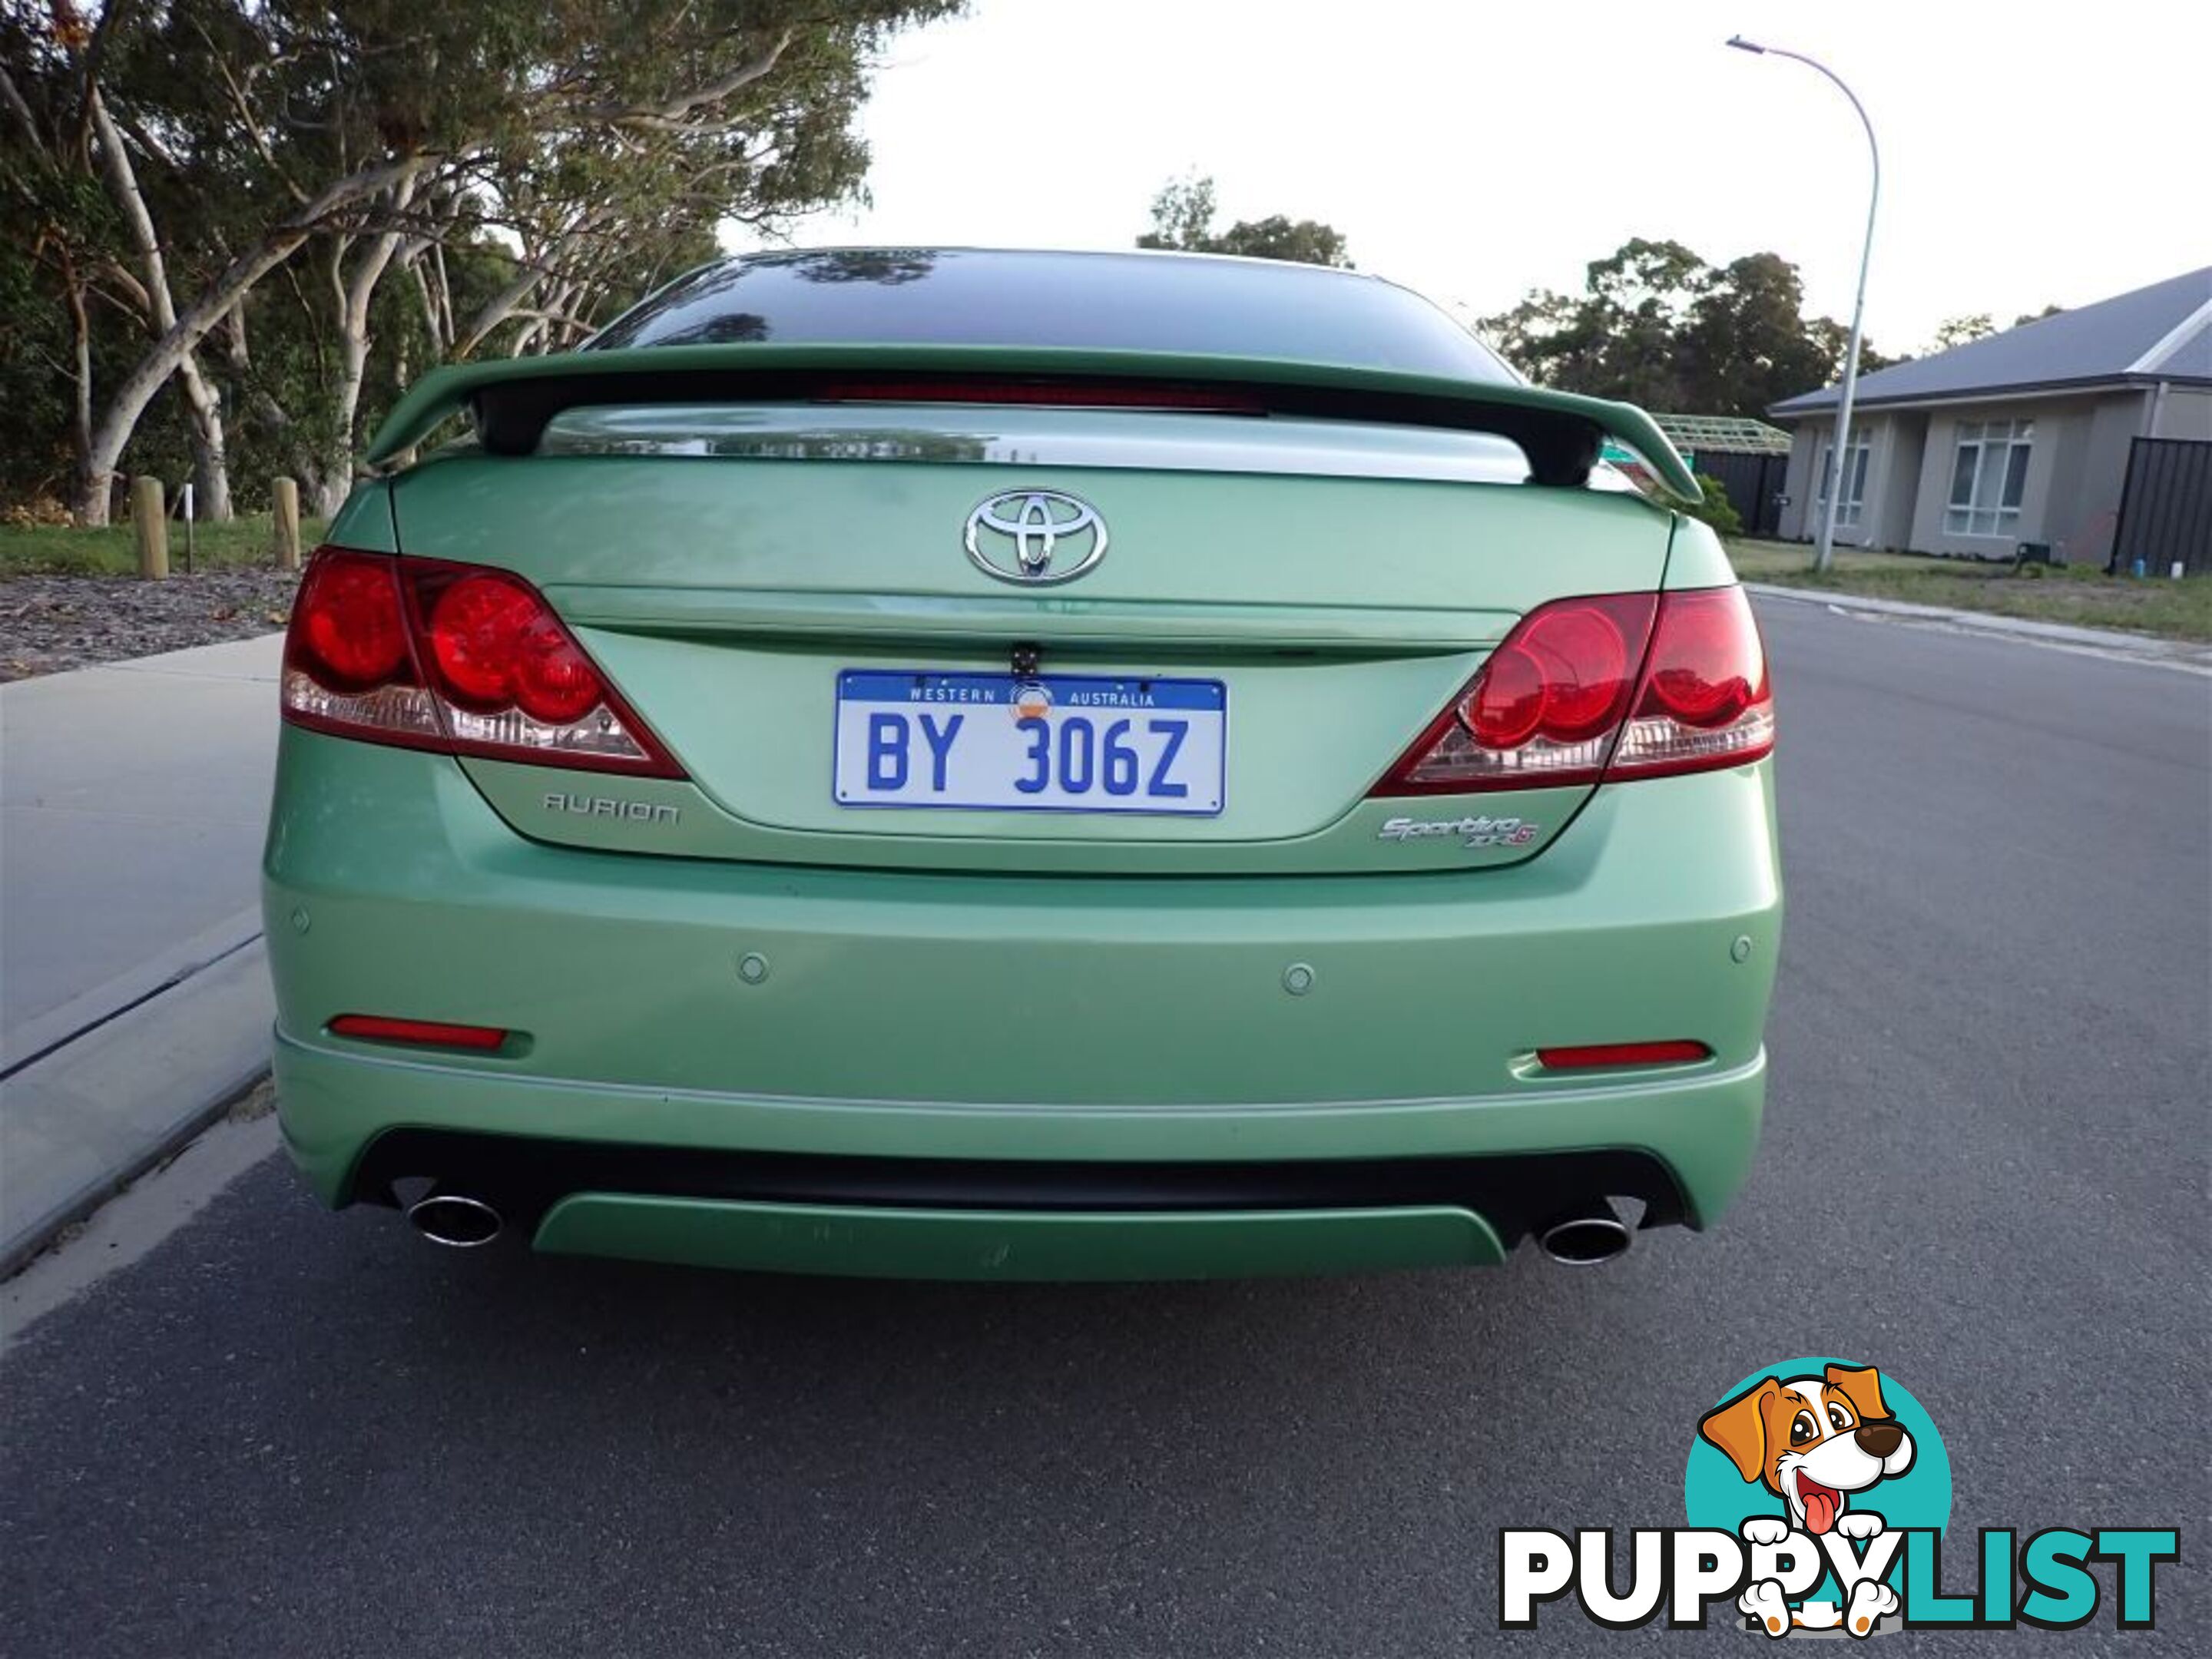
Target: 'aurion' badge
606, 806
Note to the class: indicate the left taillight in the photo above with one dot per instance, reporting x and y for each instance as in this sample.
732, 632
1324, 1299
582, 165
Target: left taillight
457, 657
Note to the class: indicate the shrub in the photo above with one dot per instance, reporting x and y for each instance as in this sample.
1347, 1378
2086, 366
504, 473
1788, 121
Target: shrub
1716, 509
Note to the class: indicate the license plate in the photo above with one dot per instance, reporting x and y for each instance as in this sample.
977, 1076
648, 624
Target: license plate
1060, 743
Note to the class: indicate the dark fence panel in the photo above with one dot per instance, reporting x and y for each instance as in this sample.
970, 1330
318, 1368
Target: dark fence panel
2166, 507
1754, 484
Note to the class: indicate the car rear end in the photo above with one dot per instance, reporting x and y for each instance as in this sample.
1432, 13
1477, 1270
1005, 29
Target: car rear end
1022, 795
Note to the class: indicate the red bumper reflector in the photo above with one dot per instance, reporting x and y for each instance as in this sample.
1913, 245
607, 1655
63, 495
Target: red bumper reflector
427, 1033
1622, 1053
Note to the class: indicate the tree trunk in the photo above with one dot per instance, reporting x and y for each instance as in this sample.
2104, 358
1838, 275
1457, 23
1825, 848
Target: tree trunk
94, 485
354, 293
423, 258
210, 467
81, 366
437, 298
335, 482
211, 463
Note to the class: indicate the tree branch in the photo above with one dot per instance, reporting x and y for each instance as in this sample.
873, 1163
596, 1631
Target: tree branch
254, 134
669, 115
14, 98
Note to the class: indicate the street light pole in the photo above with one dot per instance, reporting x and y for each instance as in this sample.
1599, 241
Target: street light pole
1824, 551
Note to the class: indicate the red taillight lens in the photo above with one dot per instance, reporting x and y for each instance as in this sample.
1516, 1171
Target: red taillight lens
1609, 686
1705, 701
476, 631
348, 664
1586, 665
1508, 704
1544, 708
496, 642
456, 658
553, 681
348, 624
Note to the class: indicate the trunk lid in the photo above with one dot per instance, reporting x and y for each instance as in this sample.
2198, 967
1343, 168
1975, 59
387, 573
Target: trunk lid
731, 565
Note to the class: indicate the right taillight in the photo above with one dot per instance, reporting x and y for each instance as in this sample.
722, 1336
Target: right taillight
1705, 700
460, 659
1602, 687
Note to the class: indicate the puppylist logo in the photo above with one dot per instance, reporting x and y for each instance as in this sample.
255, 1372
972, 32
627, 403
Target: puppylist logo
1817, 1492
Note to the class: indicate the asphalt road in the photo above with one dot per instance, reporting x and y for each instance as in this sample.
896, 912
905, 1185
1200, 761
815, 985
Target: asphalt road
282, 1432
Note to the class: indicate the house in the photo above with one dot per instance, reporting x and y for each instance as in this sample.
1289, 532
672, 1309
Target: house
2031, 435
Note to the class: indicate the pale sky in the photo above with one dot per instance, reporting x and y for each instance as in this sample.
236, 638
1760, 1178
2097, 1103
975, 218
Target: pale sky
2031, 153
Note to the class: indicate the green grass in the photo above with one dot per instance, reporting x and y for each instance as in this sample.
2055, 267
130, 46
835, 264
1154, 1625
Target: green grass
59, 549
2060, 593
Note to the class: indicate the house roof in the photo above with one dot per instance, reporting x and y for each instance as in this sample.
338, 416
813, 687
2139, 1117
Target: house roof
2162, 332
1724, 435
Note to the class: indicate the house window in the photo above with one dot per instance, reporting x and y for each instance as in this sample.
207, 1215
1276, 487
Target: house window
1855, 475
1989, 474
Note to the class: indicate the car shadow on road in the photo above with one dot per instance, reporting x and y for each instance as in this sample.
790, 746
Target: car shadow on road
557, 1439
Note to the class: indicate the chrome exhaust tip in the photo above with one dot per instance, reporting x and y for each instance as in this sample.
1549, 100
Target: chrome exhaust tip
453, 1220
1585, 1241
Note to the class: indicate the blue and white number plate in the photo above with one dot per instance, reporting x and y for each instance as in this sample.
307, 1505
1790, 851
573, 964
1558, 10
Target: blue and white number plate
1060, 743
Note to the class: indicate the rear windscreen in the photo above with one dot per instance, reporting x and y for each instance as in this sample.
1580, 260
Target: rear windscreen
1102, 301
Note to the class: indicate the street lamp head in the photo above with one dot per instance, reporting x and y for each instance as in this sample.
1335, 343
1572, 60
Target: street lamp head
1742, 44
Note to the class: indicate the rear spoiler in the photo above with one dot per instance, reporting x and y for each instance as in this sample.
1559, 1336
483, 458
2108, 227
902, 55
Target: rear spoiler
1561, 433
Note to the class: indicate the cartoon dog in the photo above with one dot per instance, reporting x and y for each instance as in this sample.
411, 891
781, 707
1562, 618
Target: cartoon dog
1813, 1441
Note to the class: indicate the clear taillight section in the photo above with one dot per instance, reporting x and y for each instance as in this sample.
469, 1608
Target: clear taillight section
455, 658
1610, 686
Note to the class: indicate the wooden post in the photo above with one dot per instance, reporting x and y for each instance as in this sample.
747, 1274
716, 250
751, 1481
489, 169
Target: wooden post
287, 523
151, 521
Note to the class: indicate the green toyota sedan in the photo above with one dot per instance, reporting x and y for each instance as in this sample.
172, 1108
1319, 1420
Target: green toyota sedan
1016, 765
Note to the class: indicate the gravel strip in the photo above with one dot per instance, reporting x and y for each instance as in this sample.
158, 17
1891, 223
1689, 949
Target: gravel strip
50, 624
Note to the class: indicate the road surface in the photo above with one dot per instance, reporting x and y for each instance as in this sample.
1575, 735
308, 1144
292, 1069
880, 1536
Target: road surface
283, 1432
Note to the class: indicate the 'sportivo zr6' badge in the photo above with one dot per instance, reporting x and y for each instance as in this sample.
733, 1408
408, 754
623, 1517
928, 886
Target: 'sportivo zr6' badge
1472, 831
1817, 1492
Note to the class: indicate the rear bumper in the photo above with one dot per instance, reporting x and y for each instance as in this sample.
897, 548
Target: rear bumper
976, 1024
944, 1191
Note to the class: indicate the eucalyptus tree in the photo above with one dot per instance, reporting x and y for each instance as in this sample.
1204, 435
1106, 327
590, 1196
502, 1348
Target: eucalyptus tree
583, 142
1182, 219
1655, 325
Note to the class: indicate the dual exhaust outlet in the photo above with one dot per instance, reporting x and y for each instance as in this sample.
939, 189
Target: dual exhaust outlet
1585, 1237
455, 1220
1582, 1238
